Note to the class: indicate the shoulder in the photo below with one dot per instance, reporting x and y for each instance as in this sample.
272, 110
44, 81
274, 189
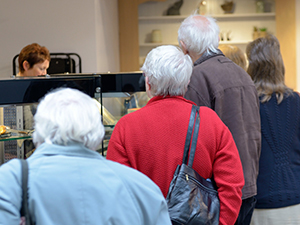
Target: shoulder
211, 119
295, 96
128, 121
208, 114
10, 177
215, 69
139, 190
131, 178
12, 167
10, 192
292, 99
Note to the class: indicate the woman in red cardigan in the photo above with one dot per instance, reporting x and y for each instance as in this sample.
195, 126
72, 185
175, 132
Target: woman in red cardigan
152, 138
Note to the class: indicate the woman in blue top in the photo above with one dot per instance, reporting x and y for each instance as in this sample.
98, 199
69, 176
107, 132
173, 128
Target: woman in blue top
68, 181
278, 189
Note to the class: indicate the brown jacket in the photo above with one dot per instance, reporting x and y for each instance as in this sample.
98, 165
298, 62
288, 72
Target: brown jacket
223, 86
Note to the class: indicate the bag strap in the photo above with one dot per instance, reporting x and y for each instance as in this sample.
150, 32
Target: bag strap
194, 140
192, 133
24, 209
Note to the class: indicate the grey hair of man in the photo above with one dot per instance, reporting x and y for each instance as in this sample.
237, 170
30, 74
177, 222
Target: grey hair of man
168, 70
68, 116
200, 34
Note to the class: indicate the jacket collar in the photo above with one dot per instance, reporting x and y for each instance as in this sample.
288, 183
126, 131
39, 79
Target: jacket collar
159, 97
207, 56
70, 150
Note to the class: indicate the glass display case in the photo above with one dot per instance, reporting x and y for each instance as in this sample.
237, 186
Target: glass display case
18, 102
121, 93
117, 93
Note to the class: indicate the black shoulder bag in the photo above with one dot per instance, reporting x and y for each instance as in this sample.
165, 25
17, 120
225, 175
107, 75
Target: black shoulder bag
192, 199
24, 209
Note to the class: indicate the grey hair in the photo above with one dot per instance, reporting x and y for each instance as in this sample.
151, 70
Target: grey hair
200, 34
168, 70
66, 116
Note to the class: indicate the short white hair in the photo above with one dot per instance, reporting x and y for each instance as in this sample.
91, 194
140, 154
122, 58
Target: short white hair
199, 34
168, 70
66, 116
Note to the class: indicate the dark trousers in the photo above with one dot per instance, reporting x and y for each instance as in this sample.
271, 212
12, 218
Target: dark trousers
246, 211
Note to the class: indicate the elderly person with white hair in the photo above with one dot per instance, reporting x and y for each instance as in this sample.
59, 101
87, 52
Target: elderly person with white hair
152, 138
225, 87
68, 181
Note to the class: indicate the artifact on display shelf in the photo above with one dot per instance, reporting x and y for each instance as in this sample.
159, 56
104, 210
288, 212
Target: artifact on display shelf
175, 8
202, 9
228, 7
156, 36
259, 32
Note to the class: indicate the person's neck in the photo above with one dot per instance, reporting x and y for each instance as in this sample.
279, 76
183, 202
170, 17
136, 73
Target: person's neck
194, 56
21, 74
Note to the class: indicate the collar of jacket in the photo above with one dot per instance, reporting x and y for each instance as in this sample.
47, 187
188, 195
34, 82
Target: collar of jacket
208, 55
168, 97
71, 150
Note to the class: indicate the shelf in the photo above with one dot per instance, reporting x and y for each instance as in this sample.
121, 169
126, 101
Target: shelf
14, 137
234, 42
257, 16
156, 44
238, 26
176, 44
12, 134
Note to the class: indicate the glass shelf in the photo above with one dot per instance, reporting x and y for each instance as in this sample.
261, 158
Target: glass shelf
15, 137
13, 134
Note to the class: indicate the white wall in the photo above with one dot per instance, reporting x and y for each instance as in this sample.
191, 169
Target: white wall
86, 27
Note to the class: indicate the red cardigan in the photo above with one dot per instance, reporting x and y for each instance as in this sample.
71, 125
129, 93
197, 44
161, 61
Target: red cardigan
152, 139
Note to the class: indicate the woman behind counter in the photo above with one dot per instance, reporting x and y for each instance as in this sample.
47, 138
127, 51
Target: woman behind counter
33, 61
152, 138
278, 190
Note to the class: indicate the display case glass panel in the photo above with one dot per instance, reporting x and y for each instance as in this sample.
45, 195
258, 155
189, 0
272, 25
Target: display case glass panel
121, 93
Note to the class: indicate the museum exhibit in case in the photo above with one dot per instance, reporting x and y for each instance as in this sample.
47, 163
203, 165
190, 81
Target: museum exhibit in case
117, 93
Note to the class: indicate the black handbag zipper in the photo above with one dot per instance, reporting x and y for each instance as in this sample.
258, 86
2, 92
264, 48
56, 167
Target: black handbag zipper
187, 178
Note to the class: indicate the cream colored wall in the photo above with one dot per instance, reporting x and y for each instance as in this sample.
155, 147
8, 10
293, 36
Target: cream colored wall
297, 8
286, 34
128, 34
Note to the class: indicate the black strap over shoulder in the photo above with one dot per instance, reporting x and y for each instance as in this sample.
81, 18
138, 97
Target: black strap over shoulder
192, 133
24, 209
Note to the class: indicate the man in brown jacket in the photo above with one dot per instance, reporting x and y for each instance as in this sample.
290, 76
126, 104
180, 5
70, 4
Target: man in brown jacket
225, 87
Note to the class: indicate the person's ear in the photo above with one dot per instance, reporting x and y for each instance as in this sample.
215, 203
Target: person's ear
147, 83
183, 47
148, 87
26, 65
